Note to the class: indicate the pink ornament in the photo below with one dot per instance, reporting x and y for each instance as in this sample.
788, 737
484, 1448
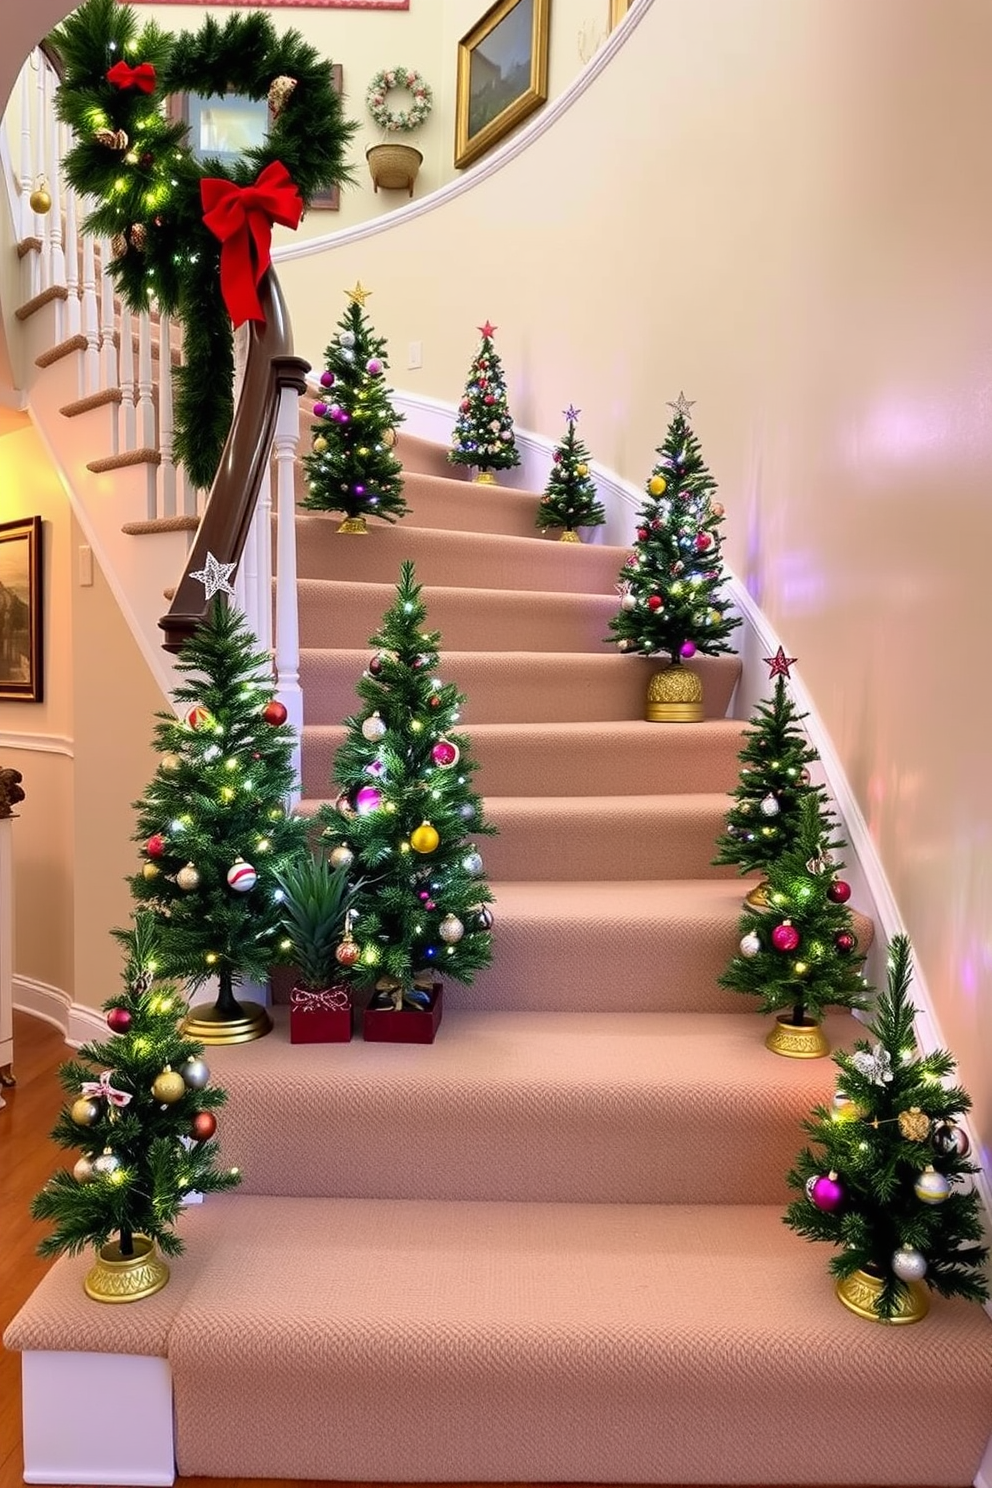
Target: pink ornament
373, 366
319, 410
839, 892
703, 541
488, 399
367, 800
327, 379
464, 405
687, 649
718, 508
826, 1193
423, 895
445, 754
785, 937
333, 409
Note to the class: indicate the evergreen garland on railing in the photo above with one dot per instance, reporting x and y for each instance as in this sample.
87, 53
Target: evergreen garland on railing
136, 163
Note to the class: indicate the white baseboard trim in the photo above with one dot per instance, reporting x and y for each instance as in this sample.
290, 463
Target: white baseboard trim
39, 743
77, 1023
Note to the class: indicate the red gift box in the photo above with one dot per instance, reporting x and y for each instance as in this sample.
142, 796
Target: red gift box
320, 1017
406, 1026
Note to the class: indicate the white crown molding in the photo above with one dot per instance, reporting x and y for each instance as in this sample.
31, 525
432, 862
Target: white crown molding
493, 162
39, 743
76, 1023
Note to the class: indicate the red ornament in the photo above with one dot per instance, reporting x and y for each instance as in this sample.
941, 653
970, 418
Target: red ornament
703, 541
203, 1127
445, 754
839, 891
642, 534
785, 937
375, 666
844, 942
118, 1020
481, 382
464, 405
488, 399
242, 217
654, 602
198, 717
155, 846
435, 701
274, 712
347, 953
655, 525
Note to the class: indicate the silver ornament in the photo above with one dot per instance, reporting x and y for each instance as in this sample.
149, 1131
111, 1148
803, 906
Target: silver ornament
483, 917
931, 1187
188, 878
466, 811
908, 1264
83, 1170
373, 728
106, 1163
195, 1074
769, 806
341, 857
472, 863
750, 945
451, 929
347, 338
628, 602
876, 1066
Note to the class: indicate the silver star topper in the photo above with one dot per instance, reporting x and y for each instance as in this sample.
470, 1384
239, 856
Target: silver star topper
876, 1066
215, 578
683, 404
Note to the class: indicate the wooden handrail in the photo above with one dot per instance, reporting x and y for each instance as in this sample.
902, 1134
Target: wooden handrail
270, 366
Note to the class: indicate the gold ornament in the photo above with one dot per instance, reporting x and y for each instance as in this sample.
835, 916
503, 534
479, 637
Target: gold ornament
657, 485
138, 236
169, 1086
188, 878
389, 437
675, 696
424, 839
85, 1111
341, 856
150, 871
582, 469
118, 245
319, 444
40, 200
280, 91
799, 968
113, 139
914, 1125
358, 295
171, 762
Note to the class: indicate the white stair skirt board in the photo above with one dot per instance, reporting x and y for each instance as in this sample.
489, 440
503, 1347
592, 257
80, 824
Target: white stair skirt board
70, 1434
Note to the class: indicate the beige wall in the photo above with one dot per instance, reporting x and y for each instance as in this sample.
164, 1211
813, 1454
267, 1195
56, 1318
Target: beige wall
786, 217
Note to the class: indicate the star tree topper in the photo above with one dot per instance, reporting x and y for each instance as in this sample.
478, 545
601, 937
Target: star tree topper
358, 295
780, 664
215, 577
571, 413
488, 330
682, 405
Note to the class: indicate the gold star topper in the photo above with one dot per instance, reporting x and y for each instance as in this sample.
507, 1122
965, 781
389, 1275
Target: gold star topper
358, 295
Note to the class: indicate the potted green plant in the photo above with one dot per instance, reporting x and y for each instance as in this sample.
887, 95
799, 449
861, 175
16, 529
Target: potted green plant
314, 898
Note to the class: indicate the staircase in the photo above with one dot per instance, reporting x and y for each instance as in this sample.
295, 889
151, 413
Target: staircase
549, 1247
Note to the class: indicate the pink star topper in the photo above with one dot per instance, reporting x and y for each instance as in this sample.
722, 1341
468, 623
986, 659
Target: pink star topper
780, 663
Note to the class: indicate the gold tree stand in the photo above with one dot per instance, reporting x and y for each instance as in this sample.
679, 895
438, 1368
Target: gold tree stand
675, 696
484, 478
120, 1278
208, 1025
569, 536
860, 1292
797, 1040
354, 525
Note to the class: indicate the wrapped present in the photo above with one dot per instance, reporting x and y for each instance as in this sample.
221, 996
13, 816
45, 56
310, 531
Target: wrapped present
398, 1015
322, 1017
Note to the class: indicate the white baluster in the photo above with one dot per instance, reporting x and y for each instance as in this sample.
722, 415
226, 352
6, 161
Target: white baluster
73, 309
145, 407
28, 72
167, 469
108, 322
38, 149
264, 574
91, 323
53, 221
287, 602
246, 580
127, 421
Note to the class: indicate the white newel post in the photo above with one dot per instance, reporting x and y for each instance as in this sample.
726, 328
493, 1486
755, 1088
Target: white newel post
6, 948
288, 687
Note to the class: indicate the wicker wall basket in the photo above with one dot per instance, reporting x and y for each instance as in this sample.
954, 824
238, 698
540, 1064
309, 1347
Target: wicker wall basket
394, 167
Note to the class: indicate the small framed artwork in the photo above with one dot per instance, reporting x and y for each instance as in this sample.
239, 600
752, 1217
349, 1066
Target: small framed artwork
502, 74
225, 125
618, 9
21, 619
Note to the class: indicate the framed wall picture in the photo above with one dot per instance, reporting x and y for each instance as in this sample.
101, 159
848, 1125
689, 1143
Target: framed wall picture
291, 4
224, 125
618, 9
21, 617
502, 74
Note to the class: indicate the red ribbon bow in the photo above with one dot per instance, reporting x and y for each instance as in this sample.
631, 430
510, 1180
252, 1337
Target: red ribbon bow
142, 77
103, 1090
242, 217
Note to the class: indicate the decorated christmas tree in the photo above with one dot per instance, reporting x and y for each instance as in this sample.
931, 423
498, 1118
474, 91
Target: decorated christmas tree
799, 958
405, 820
213, 826
888, 1184
483, 434
670, 586
763, 821
145, 1125
569, 499
351, 467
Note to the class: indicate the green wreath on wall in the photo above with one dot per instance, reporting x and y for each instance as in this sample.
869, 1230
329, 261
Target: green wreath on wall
182, 239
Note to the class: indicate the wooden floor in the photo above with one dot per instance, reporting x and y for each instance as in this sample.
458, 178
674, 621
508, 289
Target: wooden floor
27, 1157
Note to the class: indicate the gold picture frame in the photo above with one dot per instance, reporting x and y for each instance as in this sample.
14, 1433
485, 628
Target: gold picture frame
21, 615
618, 9
502, 74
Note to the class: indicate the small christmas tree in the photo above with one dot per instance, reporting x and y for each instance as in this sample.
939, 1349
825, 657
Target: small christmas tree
764, 820
887, 1184
400, 821
800, 957
351, 467
670, 599
483, 434
569, 499
145, 1126
213, 826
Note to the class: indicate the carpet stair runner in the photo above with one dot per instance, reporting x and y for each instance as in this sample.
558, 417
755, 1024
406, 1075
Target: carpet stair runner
549, 1247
